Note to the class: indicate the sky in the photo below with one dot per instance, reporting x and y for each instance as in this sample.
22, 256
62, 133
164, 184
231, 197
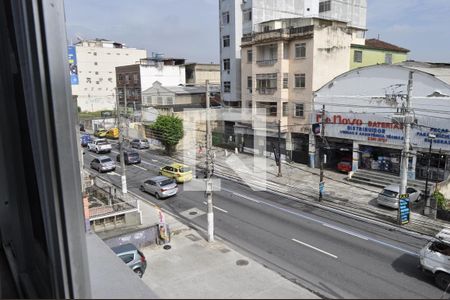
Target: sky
190, 28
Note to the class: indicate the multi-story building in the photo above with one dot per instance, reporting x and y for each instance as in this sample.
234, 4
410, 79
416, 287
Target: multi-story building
239, 17
132, 79
93, 64
197, 74
375, 51
284, 62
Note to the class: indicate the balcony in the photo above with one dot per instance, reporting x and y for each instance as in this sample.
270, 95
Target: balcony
276, 35
267, 62
266, 91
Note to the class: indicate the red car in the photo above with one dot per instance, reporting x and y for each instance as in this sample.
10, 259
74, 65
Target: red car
345, 165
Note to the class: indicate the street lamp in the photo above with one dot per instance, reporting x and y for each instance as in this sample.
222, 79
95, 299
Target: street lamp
431, 137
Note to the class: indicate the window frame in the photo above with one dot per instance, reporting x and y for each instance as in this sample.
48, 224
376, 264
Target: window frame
228, 39
300, 47
299, 77
358, 58
302, 110
227, 86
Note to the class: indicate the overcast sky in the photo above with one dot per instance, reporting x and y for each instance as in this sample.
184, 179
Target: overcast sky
190, 28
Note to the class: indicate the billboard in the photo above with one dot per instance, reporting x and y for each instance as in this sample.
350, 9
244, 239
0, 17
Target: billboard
73, 67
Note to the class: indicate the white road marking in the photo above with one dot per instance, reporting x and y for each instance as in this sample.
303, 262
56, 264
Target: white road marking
115, 152
113, 173
139, 167
144, 162
346, 231
154, 160
317, 249
218, 208
240, 195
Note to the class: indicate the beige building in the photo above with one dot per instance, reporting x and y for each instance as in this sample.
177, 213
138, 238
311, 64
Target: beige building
197, 74
283, 62
94, 71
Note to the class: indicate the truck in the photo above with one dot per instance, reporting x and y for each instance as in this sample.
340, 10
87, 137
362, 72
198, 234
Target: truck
435, 259
100, 146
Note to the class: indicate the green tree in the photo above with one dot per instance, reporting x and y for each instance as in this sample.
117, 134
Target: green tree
168, 130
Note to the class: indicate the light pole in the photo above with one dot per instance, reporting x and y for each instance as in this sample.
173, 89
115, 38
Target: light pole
431, 137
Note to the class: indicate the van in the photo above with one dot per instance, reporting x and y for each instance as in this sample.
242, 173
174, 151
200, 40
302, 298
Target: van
113, 133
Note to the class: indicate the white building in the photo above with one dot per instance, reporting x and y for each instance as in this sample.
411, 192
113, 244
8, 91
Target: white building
93, 73
240, 17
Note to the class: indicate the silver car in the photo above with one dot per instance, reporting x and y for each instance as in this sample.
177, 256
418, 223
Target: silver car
160, 186
103, 164
389, 196
140, 143
132, 257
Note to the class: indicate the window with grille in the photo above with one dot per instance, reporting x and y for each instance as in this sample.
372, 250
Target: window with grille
299, 110
266, 83
285, 80
324, 6
285, 109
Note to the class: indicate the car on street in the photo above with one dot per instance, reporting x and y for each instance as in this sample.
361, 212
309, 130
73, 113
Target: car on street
112, 133
103, 164
140, 143
435, 259
82, 127
179, 172
85, 139
132, 257
389, 196
100, 132
130, 157
160, 186
100, 146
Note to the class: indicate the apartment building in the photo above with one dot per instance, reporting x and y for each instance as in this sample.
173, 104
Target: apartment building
283, 63
93, 75
239, 17
197, 74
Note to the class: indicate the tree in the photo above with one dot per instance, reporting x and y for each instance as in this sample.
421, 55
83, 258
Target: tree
168, 130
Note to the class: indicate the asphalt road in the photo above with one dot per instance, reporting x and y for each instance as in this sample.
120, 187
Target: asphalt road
333, 255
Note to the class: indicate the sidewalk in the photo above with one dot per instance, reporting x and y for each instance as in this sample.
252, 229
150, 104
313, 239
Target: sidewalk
195, 269
302, 182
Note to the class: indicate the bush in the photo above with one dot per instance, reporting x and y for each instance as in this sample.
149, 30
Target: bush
441, 201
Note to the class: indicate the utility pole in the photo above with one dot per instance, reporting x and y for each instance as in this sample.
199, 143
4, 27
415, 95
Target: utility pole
126, 107
321, 154
209, 195
121, 149
279, 149
407, 120
427, 207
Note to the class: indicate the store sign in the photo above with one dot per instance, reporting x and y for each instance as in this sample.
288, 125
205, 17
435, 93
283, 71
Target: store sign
73, 67
380, 129
404, 209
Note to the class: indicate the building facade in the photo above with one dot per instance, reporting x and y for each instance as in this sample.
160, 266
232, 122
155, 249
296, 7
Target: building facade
135, 78
240, 17
375, 51
197, 74
360, 108
93, 73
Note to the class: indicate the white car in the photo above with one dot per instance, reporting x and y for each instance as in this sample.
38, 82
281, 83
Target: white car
435, 258
389, 196
100, 146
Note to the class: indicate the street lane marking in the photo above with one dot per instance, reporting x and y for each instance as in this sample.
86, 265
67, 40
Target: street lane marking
346, 231
154, 160
139, 167
115, 152
217, 208
113, 173
317, 249
240, 195
144, 162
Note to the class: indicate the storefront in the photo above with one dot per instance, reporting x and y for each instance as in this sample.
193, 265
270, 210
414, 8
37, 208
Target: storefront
379, 159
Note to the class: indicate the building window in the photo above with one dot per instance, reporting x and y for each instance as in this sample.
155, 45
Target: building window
96, 73
358, 56
324, 6
285, 80
227, 87
285, 109
300, 80
226, 41
388, 58
160, 100
88, 80
95, 63
300, 50
249, 56
226, 64
285, 51
95, 53
266, 84
135, 78
247, 15
299, 110
97, 82
267, 108
226, 17
120, 77
249, 84
169, 100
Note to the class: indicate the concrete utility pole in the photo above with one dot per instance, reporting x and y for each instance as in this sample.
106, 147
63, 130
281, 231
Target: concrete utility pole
321, 154
121, 149
407, 120
126, 107
279, 149
209, 195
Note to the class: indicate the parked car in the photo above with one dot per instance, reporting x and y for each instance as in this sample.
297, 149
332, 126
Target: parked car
435, 259
345, 165
130, 157
82, 127
103, 164
160, 187
112, 133
99, 146
100, 132
132, 257
179, 172
389, 196
140, 143
85, 139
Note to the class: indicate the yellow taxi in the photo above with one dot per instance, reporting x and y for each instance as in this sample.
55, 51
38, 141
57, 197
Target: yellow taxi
101, 132
179, 172
113, 133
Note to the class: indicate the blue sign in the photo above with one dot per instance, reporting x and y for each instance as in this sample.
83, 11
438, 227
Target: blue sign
73, 67
404, 209
321, 187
